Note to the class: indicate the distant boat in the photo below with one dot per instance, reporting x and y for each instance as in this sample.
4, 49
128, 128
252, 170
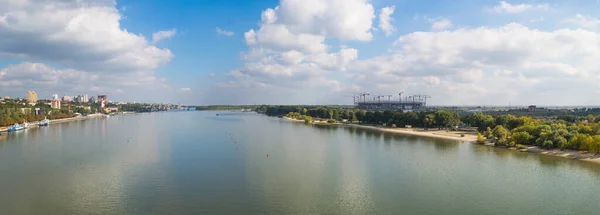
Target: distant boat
15, 127
44, 122
217, 114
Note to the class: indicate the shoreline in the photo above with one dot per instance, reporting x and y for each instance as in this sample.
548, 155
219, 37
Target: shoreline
469, 138
4, 130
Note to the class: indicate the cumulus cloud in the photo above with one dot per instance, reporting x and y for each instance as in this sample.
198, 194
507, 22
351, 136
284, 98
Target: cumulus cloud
583, 21
18, 78
289, 51
505, 7
162, 35
78, 34
224, 32
385, 20
439, 24
83, 37
304, 25
513, 60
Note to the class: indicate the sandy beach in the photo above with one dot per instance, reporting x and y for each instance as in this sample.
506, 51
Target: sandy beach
469, 137
435, 133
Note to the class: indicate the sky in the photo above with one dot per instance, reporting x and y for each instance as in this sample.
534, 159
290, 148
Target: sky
208, 52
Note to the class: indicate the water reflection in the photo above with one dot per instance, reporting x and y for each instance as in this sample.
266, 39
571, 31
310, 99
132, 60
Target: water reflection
185, 163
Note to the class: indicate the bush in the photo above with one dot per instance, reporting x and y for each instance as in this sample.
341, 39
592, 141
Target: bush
521, 147
511, 144
462, 135
331, 121
307, 119
480, 139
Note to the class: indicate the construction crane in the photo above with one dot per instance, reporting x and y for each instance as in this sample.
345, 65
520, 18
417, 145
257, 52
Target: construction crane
364, 96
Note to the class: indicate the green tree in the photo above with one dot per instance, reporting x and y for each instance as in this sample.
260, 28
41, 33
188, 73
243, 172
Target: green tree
595, 145
522, 137
446, 119
480, 120
590, 118
501, 134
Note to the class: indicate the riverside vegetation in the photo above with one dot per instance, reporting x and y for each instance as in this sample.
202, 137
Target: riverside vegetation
562, 131
18, 110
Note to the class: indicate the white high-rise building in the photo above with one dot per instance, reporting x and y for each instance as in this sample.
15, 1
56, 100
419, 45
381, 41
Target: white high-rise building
84, 98
67, 98
55, 97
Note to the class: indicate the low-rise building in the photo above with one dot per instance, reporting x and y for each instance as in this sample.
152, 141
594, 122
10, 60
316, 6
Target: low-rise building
111, 110
532, 108
55, 104
25, 110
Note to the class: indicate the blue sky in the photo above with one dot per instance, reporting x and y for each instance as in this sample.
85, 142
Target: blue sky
460, 52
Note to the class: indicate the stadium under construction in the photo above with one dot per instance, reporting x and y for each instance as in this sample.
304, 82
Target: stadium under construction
366, 101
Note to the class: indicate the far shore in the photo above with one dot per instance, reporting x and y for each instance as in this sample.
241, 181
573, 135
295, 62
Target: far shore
470, 137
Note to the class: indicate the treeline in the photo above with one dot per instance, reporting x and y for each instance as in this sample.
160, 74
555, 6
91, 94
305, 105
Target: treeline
226, 107
562, 131
138, 108
440, 119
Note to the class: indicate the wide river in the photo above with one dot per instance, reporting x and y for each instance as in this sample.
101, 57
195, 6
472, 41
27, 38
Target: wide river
191, 162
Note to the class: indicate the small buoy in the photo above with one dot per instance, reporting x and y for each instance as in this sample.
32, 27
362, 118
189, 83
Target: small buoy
235, 148
267, 155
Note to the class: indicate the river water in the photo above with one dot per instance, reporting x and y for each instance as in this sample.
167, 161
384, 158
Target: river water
187, 163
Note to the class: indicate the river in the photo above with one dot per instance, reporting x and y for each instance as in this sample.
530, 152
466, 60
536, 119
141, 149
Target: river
186, 162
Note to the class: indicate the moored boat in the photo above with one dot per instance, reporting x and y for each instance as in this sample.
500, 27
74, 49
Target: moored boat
15, 127
44, 122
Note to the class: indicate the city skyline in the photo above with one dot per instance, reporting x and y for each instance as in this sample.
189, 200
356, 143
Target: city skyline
304, 52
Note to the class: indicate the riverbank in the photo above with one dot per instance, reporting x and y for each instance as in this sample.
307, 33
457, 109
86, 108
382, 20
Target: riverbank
442, 134
576, 155
55, 121
468, 137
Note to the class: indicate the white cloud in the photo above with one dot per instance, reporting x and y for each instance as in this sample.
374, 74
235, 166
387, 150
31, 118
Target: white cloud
305, 24
437, 24
385, 20
289, 49
441, 24
224, 32
505, 7
432, 80
77, 34
185, 90
161, 35
18, 78
583, 21
84, 38
488, 65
